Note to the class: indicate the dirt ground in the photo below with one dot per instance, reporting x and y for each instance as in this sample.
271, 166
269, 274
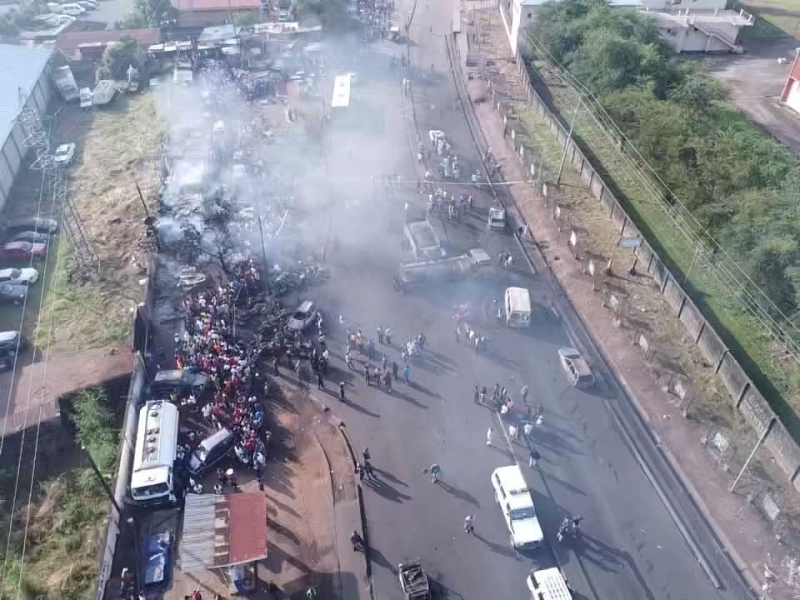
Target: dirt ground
308, 465
711, 444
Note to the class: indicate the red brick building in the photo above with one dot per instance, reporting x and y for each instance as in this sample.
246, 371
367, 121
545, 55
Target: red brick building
205, 13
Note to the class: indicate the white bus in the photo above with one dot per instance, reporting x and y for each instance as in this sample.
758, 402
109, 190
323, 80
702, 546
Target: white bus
340, 101
156, 449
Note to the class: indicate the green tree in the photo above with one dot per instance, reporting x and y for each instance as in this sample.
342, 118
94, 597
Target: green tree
118, 57
150, 13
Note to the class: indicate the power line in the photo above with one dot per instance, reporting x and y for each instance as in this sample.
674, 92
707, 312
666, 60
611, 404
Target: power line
725, 270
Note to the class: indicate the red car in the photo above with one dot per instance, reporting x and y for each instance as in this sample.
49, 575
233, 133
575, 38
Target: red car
23, 250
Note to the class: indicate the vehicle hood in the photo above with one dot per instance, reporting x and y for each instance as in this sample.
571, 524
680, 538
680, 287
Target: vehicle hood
27, 273
527, 531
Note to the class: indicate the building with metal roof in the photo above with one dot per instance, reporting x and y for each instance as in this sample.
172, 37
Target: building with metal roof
24, 82
223, 531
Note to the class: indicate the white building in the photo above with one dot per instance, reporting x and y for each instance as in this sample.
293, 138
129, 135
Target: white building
689, 25
24, 80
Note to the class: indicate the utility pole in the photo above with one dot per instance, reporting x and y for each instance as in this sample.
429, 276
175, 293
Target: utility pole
103, 481
569, 139
760, 441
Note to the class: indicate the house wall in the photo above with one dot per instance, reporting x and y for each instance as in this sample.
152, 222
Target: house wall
13, 151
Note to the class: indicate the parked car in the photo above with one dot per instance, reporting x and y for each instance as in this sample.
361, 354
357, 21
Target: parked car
13, 293
303, 316
497, 219
64, 154
38, 224
72, 10
24, 276
10, 340
31, 236
23, 250
186, 381
210, 451
575, 366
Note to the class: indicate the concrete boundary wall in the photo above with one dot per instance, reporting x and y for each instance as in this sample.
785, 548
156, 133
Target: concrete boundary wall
744, 395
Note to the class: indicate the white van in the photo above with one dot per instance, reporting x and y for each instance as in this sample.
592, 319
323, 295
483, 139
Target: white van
548, 584
154, 457
514, 497
518, 307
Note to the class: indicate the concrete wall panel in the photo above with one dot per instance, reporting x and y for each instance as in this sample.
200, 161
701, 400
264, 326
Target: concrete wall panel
607, 202
597, 188
658, 271
12, 156
756, 411
645, 255
6, 176
673, 294
618, 216
784, 449
586, 173
733, 376
711, 346
691, 318
630, 230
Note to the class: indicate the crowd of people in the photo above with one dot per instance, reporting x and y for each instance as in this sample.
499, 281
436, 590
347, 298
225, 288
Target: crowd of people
208, 344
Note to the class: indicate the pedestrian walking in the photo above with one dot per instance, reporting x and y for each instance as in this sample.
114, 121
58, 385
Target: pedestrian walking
476, 395
383, 363
458, 334
527, 430
370, 349
320, 381
388, 336
539, 420
394, 370
357, 541
512, 432
366, 374
380, 335
533, 458
407, 374
341, 391
436, 472
275, 365
489, 436
469, 524
524, 394
348, 360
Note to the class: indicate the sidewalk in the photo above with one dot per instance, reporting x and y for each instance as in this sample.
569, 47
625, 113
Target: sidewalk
312, 509
736, 522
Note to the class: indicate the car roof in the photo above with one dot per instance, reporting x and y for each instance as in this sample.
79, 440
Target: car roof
64, 147
520, 500
215, 438
305, 306
7, 272
170, 375
512, 478
569, 353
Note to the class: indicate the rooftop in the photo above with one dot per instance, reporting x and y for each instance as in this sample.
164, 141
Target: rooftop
200, 5
72, 40
238, 534
20, 68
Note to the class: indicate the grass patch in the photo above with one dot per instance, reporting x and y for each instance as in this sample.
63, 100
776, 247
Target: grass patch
66, 517
776, 19
120, 147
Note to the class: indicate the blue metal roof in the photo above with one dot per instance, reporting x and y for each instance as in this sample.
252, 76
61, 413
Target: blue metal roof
20, 67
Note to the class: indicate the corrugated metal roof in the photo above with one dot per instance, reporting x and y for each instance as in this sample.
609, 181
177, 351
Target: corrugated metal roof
20, 67
220, 531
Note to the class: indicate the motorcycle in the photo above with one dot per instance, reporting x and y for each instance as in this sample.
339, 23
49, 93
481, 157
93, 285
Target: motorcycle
570, 527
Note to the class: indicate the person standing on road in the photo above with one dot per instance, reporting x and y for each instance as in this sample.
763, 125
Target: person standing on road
387, 334
320, 381
512, 432
527, 430
383, 363
476, 395
394, 370
533, 458
489, 436
407, 374
357, 541
341, 391
436, 472
469, 524
366, 374
380, 334
524, 393
458, 334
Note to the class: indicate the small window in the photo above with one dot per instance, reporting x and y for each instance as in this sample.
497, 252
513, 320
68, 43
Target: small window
530, 15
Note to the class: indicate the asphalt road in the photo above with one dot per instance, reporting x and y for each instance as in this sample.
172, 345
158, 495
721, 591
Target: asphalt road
632, 547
